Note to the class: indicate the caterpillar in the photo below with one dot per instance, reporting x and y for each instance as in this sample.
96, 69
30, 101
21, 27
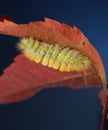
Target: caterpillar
55, 56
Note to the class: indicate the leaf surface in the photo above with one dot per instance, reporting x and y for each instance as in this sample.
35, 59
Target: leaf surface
24, 78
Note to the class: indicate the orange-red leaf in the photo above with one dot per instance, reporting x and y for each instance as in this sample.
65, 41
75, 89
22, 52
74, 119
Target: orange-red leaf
24, 78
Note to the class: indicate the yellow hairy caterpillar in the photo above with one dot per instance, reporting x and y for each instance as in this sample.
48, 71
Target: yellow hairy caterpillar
54, 55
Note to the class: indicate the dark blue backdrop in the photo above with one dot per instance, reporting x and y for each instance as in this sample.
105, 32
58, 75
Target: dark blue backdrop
59, 108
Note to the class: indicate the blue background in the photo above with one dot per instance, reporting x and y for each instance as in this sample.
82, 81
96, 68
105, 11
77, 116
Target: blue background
58, 108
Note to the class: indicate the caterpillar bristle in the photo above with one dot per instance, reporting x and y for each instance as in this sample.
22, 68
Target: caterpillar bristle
59, 57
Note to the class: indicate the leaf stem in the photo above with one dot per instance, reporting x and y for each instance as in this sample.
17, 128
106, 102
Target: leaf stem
105, 112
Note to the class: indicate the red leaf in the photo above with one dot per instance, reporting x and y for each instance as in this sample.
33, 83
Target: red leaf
5, 18
24, 78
